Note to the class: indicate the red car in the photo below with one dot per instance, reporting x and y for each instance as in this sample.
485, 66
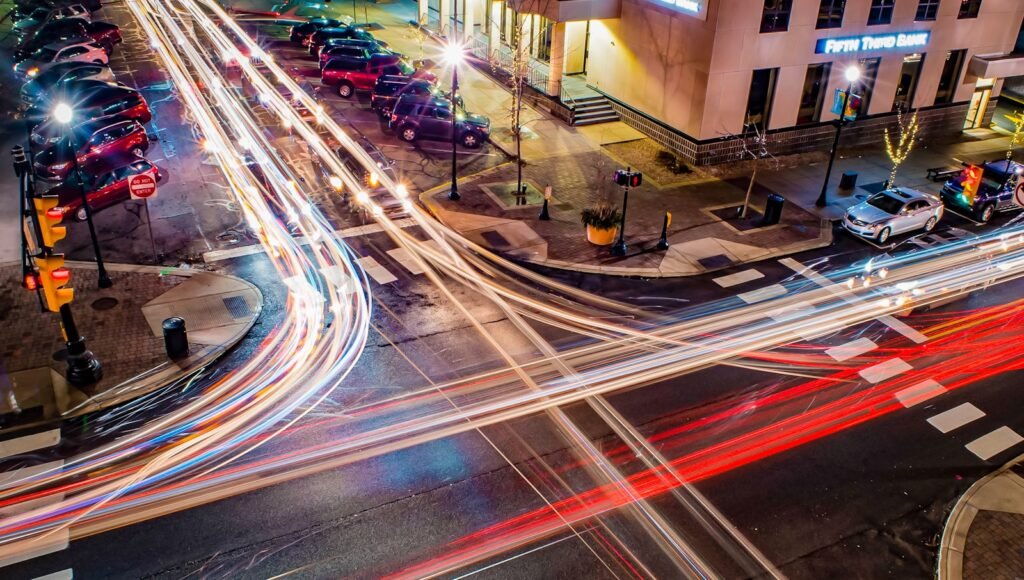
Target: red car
117, 138
104, 188
360, 74
97, 103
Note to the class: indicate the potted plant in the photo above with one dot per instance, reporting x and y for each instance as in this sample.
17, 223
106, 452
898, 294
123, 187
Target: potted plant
602, 223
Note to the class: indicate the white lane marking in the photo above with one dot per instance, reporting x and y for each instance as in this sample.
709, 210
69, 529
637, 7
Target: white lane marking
956, 417
9, 478
792, 312
379, 273
844, 293
28, 443
854, 348
994, 443
885, 370
34, 547
762, 294
920, 393
68, 574
738, 278
403, 257
227, 254
338, 276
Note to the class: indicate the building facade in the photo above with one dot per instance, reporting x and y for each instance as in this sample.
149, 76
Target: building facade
694, 73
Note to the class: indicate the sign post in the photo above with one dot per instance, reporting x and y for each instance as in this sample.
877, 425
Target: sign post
143, 186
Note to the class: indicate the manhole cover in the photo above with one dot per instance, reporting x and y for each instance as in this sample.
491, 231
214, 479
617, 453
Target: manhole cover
61, 355
105, 303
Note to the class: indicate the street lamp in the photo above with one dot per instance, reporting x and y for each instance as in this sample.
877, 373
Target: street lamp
852, 75
454, 55
64, 114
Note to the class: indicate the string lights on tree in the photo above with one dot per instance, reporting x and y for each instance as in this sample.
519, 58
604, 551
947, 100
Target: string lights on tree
899, 152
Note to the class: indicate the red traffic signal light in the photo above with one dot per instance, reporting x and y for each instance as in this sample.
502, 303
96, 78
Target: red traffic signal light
53, 276
971, 183
626, 178
635, 179
30, 281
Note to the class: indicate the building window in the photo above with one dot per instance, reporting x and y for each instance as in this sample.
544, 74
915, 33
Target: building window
927, 10
759, 101
969, 8
907, 85
830, 14
881, 12
866, 85
775, 17
950, 76
813, 96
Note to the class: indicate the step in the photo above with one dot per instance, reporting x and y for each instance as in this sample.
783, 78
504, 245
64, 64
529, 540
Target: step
605, 106
593, 114
596, 120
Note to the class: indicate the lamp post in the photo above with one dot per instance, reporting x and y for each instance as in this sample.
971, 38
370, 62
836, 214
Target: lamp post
852, 76
454, 55
63, 114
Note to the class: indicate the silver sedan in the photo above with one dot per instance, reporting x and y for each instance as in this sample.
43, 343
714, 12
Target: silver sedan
893, 211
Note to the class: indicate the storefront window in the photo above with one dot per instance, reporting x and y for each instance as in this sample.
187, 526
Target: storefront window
881, 12
866, 85
759, 101
927, 10
546, 28
950, 76
775, 17
969, 8
830, 14
907, 86
813, 96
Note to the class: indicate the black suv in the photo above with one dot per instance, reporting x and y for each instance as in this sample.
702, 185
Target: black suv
351, 48
389, 88
320, 37
431, 118
301, 32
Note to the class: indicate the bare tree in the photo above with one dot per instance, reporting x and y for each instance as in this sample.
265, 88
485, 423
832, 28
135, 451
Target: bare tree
753, 147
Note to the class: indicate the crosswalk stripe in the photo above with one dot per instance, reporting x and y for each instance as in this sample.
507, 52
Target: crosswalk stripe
762, 294
22, 550
885, 370
9, 478
380, 274
403, 257
792, 311
28, 443
854, 348
994, 443
67, 574
919, 393
956, 417
738, 278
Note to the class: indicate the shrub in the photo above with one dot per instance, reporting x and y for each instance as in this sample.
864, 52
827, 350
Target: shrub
602, 217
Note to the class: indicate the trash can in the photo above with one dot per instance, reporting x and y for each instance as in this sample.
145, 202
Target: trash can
848, 180
175, 337
773, 210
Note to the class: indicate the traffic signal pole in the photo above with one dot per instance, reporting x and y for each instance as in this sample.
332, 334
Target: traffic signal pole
101, 270
83, 366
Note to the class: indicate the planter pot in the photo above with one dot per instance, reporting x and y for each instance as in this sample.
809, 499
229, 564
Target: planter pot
601, 237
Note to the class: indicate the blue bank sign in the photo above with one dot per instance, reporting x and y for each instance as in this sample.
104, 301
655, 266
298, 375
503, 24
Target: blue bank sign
895, 40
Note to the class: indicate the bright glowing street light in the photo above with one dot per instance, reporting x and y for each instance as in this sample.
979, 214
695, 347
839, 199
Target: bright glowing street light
63, 113
454, 53
852, 73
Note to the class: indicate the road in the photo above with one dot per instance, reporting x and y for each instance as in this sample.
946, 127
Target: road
862, 495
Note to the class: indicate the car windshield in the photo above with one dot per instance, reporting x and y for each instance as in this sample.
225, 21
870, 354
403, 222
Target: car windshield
44, 54
886, 203
39, 14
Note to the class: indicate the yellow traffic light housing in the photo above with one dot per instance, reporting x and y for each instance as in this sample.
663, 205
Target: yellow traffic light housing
49, 216
53, 277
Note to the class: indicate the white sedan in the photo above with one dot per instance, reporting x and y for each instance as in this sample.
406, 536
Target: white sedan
893, 211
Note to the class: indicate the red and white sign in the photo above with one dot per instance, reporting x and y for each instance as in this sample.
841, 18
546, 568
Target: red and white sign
142, 186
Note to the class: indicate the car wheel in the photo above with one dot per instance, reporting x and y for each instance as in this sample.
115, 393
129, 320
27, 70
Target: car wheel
408, 133
883, 236
80, 214
138, 152
930, 224
385, 112
345, 90
471, 140
986, 213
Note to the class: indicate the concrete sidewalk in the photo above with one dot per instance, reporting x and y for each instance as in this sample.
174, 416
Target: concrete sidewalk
122, 326
984, 535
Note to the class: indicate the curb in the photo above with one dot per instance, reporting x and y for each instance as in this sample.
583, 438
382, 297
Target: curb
950, 562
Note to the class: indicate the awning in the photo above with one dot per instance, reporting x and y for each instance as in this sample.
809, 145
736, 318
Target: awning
997, 66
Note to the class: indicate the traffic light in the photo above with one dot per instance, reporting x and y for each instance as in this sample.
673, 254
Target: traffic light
621, 177
635, 179
53, 277
971, 183
626, 178
48, 215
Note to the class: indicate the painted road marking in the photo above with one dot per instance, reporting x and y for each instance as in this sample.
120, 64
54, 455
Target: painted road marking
762, 294
920, 393
338, 276
28, 443
9, 478
988, 446
34, 547
885, 370
68, 574
844, 293
792, 312
738, 278
854, 348
380, 274
217, 255
956, 417
403, 257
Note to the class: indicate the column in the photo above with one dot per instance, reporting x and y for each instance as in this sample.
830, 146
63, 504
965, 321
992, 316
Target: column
557, 62
444, 24
467, 22
493, 30
422, 12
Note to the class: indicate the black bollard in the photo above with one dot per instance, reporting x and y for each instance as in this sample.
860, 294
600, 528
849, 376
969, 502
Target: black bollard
175, 337
663, 242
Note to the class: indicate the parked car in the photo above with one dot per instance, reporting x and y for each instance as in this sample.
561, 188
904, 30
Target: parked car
994, 193
301, 32
104, 186
351, 48
24, 8
74, 93
893, 211
389, 88
45, 83
111, 100
41, 16
104, 141
320, 37
102, 33
73, 50
430, 118
356, 74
